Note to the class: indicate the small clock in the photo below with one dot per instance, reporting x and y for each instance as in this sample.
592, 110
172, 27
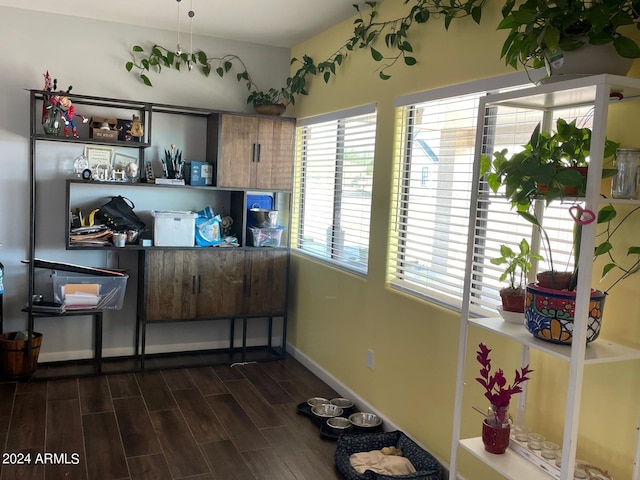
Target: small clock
86, 174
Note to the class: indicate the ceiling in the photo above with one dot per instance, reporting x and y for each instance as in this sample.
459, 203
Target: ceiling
282, 23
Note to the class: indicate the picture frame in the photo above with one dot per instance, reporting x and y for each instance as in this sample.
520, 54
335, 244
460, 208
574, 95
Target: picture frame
121, 160
100, 161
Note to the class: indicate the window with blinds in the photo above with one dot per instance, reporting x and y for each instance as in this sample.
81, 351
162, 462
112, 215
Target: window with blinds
434, 155
334, 176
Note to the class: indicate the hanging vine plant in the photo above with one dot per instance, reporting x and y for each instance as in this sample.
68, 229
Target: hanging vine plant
366, 30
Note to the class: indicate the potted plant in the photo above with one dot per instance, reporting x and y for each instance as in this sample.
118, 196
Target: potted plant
518, 266
550, 166
496, 427
549, 309
545, 33
271, 102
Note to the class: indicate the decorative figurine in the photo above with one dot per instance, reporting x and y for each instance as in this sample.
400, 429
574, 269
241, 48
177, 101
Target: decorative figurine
68, 112
132, 171
148, 170
136, 127
172, 165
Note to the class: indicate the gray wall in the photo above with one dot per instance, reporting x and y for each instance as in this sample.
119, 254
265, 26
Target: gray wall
90, 55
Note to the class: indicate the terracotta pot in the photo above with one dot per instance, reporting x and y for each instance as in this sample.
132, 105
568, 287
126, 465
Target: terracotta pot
513, 299
549, 314
495, 439
554, 280
276, 109
577, 191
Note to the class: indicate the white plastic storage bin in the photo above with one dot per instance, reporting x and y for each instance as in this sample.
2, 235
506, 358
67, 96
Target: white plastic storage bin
81, 291
266, 237
174, 228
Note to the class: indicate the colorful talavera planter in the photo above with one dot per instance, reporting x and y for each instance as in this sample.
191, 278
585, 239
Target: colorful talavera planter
548, 314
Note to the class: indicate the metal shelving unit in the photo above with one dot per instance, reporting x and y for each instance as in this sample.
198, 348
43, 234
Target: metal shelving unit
233, 198
594, 91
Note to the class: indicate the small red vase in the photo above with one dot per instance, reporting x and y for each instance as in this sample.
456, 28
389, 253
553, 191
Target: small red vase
495, 439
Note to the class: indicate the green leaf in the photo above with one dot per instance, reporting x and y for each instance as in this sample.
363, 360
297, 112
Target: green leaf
551, 38
476, 14
146, 80
389, 39
156, 51
339, 58
633, 250
128, 66
145, 63
170, 58
607, 268
529, 218
377, 56
137, 48
626, 47
410, 61
606, 214
604, 247
384, 76
206, 69
227, 66
327, 76
220, 72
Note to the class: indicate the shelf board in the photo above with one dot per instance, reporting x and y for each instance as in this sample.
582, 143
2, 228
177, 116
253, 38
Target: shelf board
598, 351
90, 141
566, 93
509, 464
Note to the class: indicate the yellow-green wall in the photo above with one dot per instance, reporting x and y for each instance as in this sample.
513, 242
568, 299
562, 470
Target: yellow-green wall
336, 317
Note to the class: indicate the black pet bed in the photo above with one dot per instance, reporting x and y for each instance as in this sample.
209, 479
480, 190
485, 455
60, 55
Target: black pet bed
427, 467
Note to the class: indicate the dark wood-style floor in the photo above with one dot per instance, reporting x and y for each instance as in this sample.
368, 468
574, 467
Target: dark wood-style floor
223, 423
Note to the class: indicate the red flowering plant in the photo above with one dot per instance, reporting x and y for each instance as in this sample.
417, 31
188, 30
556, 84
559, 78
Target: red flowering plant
498, 394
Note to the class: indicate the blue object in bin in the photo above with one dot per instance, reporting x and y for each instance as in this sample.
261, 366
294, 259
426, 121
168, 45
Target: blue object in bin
260, 201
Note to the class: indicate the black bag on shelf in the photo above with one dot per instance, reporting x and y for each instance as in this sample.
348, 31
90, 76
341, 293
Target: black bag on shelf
118, 215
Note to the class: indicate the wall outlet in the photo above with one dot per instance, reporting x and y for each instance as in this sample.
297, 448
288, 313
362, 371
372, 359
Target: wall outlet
370, 359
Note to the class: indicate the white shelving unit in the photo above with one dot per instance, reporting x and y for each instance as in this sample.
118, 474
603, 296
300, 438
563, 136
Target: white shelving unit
593, 91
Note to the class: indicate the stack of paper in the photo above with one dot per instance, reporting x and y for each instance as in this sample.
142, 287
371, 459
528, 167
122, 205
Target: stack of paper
80, 295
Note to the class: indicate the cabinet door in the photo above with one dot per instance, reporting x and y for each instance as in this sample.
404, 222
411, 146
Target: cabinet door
221, 282
171, 284
275, 159
238, 149
266, 291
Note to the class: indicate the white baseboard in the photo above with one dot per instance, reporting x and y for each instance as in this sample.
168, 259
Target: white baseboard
339, 387
346, 392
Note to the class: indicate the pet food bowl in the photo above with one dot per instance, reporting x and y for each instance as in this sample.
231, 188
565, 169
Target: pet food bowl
342, 402
365, 420
327, 410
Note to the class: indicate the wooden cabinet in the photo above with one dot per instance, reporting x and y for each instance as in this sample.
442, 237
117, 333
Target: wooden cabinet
255, 152
170, 283
266, 290
215, 283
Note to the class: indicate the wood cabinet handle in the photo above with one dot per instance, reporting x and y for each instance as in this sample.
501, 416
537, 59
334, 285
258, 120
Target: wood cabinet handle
258, 153
254, 152
193, 284
199, 283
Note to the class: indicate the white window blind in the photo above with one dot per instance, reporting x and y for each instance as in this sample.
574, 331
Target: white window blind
435, 143
334, 176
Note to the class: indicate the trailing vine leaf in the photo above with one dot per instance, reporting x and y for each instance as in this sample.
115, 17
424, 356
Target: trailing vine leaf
366, 30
